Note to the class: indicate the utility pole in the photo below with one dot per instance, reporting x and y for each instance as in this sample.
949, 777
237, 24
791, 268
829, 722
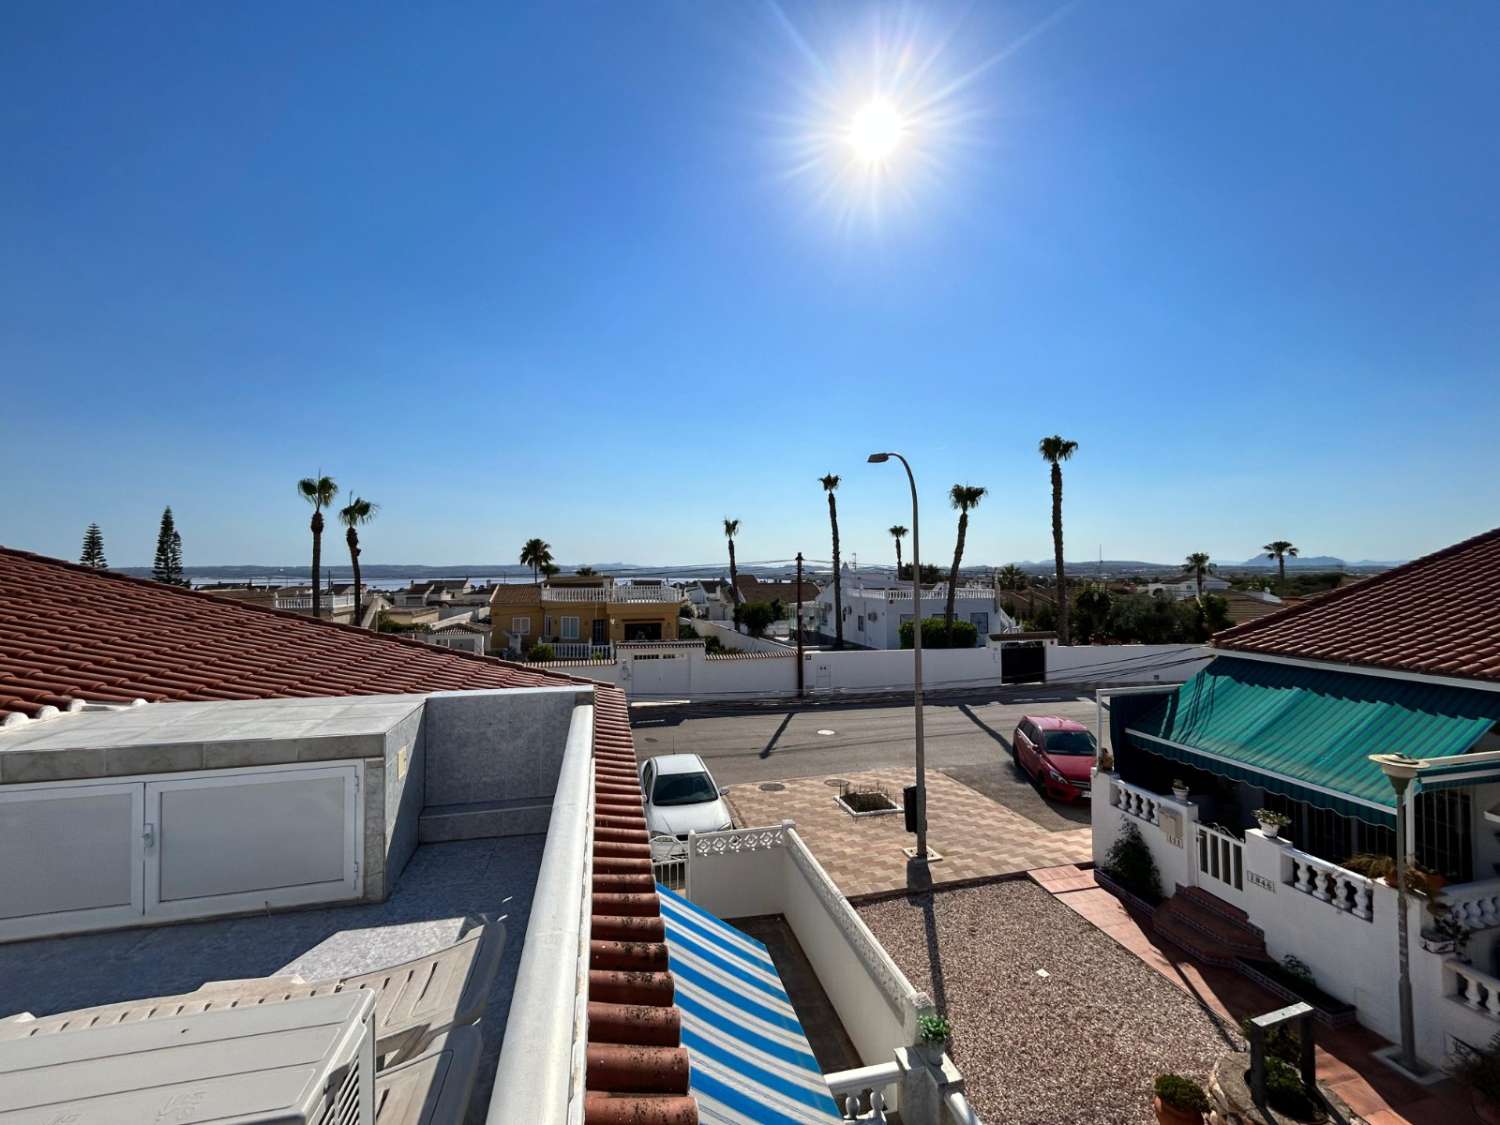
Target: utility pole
799, 624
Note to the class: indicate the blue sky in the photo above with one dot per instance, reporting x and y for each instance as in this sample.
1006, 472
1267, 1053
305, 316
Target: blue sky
604, 273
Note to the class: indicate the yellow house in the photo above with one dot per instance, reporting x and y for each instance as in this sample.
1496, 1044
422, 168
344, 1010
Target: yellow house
582, 616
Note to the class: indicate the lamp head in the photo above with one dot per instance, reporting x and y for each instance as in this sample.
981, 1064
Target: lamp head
877, 458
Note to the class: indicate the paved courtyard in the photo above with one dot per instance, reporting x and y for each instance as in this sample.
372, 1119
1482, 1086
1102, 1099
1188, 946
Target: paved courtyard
976, 837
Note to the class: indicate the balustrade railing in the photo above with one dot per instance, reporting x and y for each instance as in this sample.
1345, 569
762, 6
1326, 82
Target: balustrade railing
1328, 882
1135, 801
1477, 990
579, 650
327, 601
1475, 905
600, 595
937, 593
849, 1086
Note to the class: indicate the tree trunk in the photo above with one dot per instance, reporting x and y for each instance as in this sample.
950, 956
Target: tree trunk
1057, 555
317, 562
1281, 570
734, 577
838, 588
958, 554
353, 538
898, 560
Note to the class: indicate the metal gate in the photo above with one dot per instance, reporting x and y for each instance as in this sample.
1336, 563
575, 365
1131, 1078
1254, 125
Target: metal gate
1220, 866
1023, 662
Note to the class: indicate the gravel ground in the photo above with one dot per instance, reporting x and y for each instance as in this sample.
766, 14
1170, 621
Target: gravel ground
1081, 1044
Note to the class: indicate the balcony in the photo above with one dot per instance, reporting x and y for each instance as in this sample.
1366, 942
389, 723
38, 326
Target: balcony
303, 603
937, 593
612, 595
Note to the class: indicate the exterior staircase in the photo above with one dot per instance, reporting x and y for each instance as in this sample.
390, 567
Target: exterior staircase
1208, 928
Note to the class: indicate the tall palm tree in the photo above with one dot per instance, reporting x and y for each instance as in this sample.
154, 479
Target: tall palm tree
1279, 549
898, 533
830, 485
1055, 450
352, 515
731, 529
537, 554
1197, 564
318, 491
964, 497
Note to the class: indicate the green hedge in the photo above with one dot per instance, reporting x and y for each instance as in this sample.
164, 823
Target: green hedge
935, 634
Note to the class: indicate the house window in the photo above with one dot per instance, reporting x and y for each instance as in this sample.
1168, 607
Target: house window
570, 628
547, 625
1443, 833
520, 626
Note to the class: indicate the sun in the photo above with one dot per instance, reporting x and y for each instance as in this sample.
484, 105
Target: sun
876, 131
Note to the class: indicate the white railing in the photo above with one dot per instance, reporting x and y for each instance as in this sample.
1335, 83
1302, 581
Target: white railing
848, 1086
960, 1109
669, 858
602, 595
1221, 857
1474, 989
1134, 801
1475, 905
1328, 882
579, 650
937, 593
735, 840
327, 601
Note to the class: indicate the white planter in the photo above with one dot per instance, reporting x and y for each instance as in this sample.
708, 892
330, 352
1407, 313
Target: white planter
1269, 830
1180, 794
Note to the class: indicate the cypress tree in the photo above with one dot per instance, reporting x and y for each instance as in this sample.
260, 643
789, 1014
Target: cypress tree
93, 548
168, 564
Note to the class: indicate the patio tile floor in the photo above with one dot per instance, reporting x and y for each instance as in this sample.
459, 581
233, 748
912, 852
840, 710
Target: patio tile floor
978, 838
1346, 1063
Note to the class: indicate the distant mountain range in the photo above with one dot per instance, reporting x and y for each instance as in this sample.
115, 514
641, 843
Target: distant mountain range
1310, 562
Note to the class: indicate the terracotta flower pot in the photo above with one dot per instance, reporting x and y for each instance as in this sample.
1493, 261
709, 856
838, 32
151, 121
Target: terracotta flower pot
1171, 1115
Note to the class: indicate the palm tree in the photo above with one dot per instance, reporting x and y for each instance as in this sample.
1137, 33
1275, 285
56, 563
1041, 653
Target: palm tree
963, 497
1055, 450
1012, 577
353, 514
537, 554
898, 533
318, 491
830, 485
1197, 564
1279, 549
731, 529
585, 572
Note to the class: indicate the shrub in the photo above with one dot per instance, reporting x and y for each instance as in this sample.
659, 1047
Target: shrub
1371, 865
935, 634
1129, 863
1282, 1042
686, 631
1299, 969
1271, 816
1180, 1093
1285, 1092
756, 617
934, 1029
539, 652
1479, 1069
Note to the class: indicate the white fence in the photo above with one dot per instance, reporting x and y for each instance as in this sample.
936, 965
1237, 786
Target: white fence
305, 602
602, 595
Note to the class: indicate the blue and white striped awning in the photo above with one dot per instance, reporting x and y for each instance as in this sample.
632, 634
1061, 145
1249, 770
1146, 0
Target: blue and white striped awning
750, 1060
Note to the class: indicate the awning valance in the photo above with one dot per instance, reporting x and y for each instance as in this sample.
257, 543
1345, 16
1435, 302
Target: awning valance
1307, 733
751, 1061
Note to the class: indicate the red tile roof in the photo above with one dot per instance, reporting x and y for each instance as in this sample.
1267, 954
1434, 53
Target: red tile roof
1436, 616
67, 632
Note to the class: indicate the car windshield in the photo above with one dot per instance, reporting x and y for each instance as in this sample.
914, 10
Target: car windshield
684, 789
1070, 742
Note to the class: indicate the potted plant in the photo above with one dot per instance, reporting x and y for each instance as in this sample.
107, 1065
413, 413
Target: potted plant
1179, 789
933, 1033
1479, 1070
1178, 1100
1271, 822
1447, 935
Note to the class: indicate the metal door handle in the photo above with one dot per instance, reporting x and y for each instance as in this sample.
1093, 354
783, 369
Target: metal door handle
149, 836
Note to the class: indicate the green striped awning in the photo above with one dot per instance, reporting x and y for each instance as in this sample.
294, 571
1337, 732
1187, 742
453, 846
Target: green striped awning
1307, 734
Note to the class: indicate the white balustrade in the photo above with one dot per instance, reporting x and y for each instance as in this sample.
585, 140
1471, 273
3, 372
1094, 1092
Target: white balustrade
937, 593
611, 595
1474, 989
736, 840
847, 1086
579, 650
1475, 905
1328, 882
1135, 801
327, 601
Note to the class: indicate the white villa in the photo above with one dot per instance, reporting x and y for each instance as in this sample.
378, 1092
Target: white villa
1185, 586
1287, 718
876, 605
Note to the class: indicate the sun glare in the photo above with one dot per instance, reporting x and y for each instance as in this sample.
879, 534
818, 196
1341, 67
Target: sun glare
876, 131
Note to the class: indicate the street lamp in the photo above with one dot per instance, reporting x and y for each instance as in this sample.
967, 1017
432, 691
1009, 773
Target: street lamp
1399, 771
916, 652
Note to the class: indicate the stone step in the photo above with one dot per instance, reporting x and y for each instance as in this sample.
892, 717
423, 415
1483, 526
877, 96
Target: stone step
1210, 901
1205, 931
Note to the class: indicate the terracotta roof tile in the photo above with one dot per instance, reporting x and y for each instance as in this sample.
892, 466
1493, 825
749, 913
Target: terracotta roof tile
1435, 616
67, 632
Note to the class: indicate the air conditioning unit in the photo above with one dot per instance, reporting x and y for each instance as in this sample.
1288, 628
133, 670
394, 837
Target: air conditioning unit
299, 1062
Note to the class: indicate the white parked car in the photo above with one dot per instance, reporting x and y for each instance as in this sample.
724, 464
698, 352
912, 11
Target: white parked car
681, 797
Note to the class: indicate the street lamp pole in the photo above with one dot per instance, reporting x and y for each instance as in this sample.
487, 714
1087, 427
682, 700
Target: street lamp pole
1399, 771
916, 651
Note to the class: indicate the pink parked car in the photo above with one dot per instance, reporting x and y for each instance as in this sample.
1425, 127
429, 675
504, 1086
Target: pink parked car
1056, 753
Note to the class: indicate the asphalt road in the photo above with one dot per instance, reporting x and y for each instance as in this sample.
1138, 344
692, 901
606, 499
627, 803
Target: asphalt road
966, 736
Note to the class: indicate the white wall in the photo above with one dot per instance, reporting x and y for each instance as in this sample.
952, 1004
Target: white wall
743, 641
1125, 664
